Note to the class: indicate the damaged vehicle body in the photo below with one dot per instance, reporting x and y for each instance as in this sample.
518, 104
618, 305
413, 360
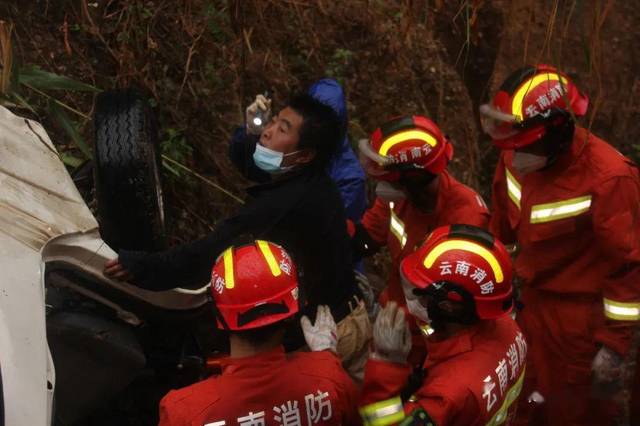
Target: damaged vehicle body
76, 347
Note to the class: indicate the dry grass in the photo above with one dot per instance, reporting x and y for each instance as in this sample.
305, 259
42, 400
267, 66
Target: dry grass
203, 61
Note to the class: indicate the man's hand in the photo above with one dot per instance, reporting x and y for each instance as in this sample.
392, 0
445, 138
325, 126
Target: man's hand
261, 106
114, 270
323, 334
391, 335
607, 373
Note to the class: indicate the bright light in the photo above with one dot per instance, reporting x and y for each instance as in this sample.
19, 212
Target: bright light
257, 121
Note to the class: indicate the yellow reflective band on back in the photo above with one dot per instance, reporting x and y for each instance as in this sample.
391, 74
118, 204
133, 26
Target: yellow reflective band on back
405, 136
466, 246
513, 188
269, 257
541, 213
229, 281
512, 394
518, 98
397, 228
621, 311
383, 413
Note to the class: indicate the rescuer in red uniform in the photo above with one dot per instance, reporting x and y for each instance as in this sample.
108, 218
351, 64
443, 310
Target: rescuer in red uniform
255, 290
414, 194
570, 202
459, 281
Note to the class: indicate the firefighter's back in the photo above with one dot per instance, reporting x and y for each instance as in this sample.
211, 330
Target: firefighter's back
268, 389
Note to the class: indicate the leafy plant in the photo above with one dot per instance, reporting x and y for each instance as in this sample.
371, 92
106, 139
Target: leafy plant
339, 63
175, 146
14, 79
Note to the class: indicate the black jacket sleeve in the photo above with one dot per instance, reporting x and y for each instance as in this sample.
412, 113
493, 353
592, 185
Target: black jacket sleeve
362, 244
190, 264
185, 265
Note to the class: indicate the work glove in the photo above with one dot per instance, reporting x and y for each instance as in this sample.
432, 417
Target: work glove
323, 334
606, 373
260, 108
391, 335
368, 295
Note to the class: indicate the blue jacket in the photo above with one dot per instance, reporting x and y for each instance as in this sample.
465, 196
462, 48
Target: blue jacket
344, 169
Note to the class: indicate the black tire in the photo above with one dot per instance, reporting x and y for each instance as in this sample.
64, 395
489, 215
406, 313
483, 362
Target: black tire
127, 172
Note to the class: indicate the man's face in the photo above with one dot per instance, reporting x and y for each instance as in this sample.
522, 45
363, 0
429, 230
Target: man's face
282, 134
422, 190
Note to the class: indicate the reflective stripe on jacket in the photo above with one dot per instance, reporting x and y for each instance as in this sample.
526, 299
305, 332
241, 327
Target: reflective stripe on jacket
578, 228
401, 226
471, 379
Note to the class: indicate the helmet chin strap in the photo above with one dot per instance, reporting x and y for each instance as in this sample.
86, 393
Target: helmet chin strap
439, 317
220, 318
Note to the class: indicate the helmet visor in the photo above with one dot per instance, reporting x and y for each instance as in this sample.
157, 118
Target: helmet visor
416, 305
373, 163
407, 287
497, 124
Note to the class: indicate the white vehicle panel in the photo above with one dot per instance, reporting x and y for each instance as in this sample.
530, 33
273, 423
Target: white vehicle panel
38, 201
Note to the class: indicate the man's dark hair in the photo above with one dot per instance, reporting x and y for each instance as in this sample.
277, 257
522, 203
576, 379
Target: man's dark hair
260, 335
321, 130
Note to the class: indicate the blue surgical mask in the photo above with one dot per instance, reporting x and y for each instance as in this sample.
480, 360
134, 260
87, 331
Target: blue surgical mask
269, 160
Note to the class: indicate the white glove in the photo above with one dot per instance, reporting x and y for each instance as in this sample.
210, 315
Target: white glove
369, 296
606, 373
391, 335
261, 109
323, 334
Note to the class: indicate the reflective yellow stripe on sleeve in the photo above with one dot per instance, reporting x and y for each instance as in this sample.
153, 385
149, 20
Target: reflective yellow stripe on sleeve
514, 190
512, 394
621, 311
397, 228
549, 212
383, 413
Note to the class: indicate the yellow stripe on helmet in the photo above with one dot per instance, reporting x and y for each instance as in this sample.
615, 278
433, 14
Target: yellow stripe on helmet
405, 136
227, 257
527, 86
466, 246
269, 257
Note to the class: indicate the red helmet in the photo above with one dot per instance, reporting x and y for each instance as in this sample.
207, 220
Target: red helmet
404, 144
529, 100
253, 286
463, 257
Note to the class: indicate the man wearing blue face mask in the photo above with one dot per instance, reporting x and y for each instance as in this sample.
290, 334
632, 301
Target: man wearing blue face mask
344, 168
278, 150
299, 209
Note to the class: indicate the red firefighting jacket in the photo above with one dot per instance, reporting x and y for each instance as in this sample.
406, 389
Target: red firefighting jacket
472, 378
273, 388
402, 227
578, 229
